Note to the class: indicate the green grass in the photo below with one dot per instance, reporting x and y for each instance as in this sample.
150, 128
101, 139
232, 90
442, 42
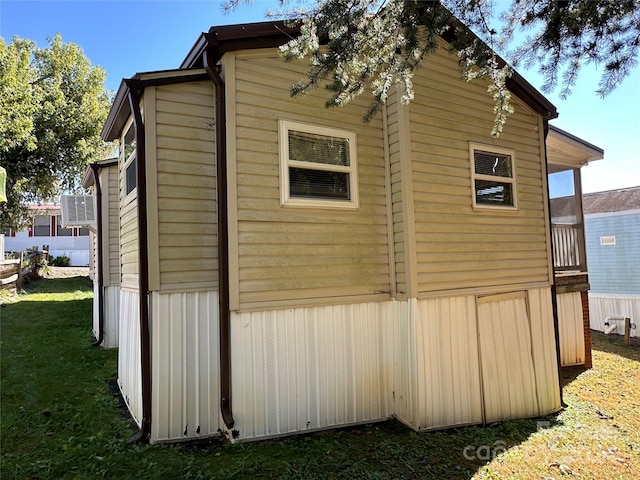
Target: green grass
59, 420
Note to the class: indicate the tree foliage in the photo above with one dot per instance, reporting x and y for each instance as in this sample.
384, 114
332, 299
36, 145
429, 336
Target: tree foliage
372, 45
53, 104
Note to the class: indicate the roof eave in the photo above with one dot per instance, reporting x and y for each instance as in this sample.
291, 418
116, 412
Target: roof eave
120, 111
230, 38
596, 152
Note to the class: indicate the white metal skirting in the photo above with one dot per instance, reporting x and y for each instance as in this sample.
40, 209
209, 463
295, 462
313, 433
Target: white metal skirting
111, 307
95, 318
446, 377
305, 369
543, 350
433, 363
571, 329
129, 368
603, 305
111, 313
518, 355
185, 366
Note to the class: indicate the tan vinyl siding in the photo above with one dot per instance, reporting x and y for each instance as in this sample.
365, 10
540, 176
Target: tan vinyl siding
128, 217
292, 253
396, 193
458, 247
129, 245
186, 186
113, 226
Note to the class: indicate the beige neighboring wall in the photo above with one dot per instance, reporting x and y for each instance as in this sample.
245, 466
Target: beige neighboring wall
110, 219
289, 255
182, 187
458, 247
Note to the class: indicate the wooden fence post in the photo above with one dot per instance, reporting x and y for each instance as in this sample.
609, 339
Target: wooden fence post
627, 331
19, 280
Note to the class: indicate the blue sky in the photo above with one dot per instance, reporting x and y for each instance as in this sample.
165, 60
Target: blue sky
125, 37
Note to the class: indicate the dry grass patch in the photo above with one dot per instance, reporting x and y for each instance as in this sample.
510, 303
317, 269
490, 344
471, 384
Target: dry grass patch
597, 436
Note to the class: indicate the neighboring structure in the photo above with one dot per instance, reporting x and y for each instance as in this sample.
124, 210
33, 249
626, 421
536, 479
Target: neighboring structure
287, 268
566, 154
612, 224
46, 229
104, 268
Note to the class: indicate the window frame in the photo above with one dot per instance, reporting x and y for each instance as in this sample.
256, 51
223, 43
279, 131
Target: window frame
286, 200
492, 149
68, 231
127, 162
34, 226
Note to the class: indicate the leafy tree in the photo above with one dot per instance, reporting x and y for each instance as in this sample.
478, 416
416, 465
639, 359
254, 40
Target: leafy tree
53, 104
358, 45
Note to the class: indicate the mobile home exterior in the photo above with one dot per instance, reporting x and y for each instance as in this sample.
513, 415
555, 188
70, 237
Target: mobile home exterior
46, 229
612, 223
287, 268
101, 178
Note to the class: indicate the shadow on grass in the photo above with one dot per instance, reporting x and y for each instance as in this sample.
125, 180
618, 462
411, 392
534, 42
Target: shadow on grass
614, 344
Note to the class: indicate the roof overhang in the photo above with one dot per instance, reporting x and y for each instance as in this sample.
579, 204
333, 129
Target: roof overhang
565, 150
87, 179
227, 38
121, 110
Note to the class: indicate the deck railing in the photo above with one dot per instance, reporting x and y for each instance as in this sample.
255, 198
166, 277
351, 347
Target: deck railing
569, 247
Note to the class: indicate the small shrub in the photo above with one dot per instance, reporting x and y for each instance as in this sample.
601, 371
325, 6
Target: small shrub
61, 261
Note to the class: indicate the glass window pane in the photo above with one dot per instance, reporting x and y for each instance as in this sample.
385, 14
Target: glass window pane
131, 178
83, 232
563, 198
307, 147
318, 184
41, 226
129, 142
494, 193
493, 164
62, 232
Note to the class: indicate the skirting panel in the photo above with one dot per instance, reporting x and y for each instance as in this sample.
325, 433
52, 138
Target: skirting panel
310, 368
111, 314
185, 366
447, 373
129, 368
111, 311
95, 326
571, 328
603, 305
543, 350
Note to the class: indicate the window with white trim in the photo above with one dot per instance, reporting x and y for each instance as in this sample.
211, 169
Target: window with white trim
318, 166
493, 177
130, 164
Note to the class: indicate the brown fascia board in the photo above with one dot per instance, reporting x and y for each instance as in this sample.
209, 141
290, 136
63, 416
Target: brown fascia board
230, 38
273, 34
88, 179
121, 110
118, 114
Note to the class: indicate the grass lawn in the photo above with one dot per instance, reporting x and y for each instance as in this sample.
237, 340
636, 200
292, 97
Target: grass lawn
59, 420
